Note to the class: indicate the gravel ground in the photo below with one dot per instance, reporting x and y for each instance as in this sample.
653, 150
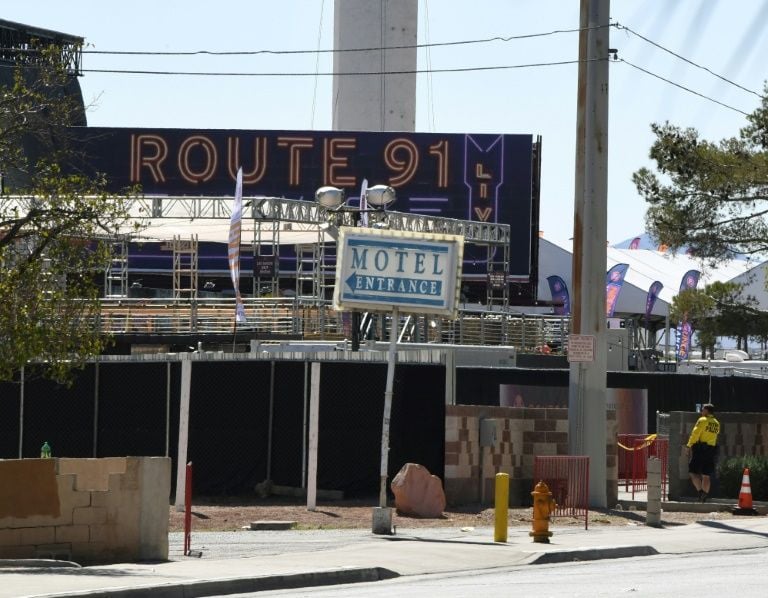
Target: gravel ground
222, 514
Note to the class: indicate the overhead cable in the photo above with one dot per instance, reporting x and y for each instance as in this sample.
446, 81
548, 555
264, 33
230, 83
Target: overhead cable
340, 50
688, 61
468, 69
683, 87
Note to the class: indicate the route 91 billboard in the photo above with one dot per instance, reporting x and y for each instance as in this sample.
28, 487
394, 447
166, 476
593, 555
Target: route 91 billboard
481, 177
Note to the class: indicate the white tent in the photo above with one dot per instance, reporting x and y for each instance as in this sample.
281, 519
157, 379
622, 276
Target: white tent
645, 267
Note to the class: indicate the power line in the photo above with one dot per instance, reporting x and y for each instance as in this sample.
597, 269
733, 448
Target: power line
691, 62
428, 56
334, 50
403, 72
701, 95
317, 64
429, 71
326, 74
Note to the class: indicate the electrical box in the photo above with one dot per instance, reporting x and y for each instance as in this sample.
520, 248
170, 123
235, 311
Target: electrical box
488, 432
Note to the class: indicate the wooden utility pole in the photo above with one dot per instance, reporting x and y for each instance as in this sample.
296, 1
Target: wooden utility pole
587, 386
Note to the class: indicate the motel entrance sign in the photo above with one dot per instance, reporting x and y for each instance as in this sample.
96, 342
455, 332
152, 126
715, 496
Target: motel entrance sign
383, 270
380, 270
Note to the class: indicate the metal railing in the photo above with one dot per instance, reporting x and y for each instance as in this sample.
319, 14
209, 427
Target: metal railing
294, 318
568, 480
633, 453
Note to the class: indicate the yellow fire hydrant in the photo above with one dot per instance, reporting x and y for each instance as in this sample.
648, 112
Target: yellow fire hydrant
543, 506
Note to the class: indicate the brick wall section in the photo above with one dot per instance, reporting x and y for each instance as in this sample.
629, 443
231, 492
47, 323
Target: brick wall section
520, 435
740, 434
109, 510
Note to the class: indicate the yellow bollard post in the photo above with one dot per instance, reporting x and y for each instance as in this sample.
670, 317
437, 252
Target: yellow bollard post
501, 508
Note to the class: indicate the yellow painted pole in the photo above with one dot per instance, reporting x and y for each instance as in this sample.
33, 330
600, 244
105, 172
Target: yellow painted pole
501, 507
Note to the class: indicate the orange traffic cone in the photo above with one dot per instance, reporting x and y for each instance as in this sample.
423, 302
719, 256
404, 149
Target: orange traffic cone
745, 497
745, 494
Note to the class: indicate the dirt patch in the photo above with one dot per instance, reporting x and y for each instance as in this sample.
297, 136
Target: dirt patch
223, 514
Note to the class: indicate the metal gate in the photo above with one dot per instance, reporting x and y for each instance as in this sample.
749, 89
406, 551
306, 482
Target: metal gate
634, 451
568, 480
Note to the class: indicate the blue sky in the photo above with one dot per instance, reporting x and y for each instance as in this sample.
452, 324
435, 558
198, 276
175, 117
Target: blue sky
729, 37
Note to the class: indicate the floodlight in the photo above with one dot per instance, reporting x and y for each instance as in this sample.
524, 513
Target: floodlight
380, 196
329, 197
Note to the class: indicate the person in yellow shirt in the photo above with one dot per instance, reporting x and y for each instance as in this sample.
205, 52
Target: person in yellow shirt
702, 450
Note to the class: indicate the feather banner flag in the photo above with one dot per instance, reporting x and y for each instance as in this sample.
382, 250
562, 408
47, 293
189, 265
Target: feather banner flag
683, 344
690, 280
560, 296
233, 249
650, 300
614, 278
684, 329
363, 203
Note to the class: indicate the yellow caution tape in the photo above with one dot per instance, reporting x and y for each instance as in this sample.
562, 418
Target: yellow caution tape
649, 440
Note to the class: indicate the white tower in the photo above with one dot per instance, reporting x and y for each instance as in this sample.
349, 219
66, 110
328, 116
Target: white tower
374, 102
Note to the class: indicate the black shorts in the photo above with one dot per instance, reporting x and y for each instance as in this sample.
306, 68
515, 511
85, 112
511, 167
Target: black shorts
702, 459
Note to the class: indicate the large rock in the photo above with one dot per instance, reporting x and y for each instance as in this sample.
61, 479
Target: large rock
417, 492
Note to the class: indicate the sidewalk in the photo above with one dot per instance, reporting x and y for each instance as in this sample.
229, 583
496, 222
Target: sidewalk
249, 561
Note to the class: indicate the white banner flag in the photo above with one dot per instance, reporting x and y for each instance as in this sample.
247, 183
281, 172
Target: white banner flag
233, 250
363, 203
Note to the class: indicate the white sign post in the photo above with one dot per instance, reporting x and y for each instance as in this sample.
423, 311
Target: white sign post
391, 360
393, 270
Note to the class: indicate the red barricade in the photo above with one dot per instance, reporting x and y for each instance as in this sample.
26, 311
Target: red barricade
568, 480
188, 510
633, 453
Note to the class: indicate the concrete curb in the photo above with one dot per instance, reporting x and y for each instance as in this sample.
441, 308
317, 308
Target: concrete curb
712, 505
592, 554
240, 585
272, 525
36, 563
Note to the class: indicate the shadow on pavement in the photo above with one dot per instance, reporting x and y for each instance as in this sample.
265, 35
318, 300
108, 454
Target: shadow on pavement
730, 528
82, 572
441, 541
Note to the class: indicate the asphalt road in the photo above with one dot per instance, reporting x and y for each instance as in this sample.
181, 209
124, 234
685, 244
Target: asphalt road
718, 573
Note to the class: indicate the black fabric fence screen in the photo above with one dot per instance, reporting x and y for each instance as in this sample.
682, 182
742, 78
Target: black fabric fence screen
666, 391
132, 409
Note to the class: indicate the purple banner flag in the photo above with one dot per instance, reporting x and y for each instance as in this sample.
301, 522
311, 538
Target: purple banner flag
683, 343
613, 281
650, 301
684, 328
233, 248
690, 280
560, 296
635, 244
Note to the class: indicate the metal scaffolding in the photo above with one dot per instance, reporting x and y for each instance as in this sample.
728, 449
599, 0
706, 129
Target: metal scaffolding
116, 272
272, 217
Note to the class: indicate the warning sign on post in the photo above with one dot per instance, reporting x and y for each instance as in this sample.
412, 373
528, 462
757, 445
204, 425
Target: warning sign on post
581, 347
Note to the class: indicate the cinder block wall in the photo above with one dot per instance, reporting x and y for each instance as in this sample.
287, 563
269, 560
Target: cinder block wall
520, 435
740, 434
87, 510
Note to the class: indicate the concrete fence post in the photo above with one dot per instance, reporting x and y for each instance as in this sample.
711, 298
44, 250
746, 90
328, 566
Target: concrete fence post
653, 508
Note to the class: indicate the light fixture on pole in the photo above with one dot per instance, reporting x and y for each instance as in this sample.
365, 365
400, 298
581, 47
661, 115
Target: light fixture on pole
330, 197
380, 196
377, 199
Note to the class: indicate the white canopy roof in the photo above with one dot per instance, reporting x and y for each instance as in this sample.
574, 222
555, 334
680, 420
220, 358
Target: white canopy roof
645, 267
216, 230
